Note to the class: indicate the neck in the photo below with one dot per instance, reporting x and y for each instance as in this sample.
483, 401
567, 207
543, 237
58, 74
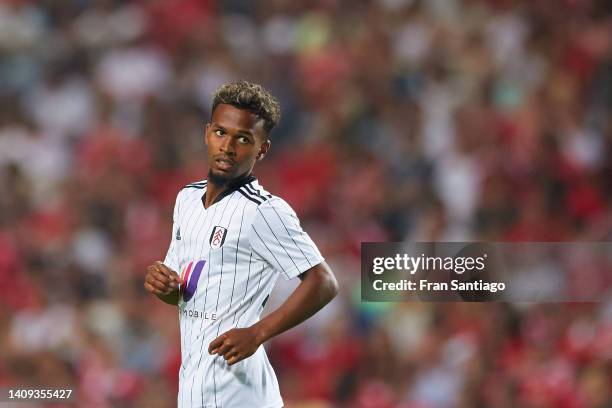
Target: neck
214, 188
217, 187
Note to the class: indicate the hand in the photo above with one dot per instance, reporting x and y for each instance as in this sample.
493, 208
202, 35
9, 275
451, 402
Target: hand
161, 280
235, 345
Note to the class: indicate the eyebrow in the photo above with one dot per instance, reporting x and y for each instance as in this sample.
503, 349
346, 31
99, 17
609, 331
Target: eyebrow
239, 131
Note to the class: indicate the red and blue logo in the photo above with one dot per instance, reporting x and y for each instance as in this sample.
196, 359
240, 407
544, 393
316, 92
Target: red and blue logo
190, 279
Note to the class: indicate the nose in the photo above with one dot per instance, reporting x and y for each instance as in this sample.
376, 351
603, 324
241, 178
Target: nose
227, 146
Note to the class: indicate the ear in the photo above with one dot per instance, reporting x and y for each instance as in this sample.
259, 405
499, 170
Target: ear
263, 149
206, 133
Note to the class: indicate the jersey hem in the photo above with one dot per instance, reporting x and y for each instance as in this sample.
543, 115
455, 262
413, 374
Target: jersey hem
279, 404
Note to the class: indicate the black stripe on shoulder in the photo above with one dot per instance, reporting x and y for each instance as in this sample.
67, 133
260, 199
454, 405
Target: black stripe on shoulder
198, 185
259, 192
253, 190
249, 196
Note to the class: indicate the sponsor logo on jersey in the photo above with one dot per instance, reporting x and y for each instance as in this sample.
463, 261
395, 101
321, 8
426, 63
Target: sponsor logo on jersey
217, 238
190, 277
198, 314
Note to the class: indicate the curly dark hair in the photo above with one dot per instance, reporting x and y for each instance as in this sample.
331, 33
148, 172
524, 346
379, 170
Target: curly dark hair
252, 97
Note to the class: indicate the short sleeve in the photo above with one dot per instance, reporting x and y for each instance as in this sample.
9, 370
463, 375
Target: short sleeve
171, 260
277, 237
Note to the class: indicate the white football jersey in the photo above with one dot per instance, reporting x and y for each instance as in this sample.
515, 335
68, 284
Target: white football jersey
230, 256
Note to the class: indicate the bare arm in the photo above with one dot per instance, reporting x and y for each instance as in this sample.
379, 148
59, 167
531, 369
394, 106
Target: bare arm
318, 288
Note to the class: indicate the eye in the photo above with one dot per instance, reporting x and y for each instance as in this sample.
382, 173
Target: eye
243, 140
219, 132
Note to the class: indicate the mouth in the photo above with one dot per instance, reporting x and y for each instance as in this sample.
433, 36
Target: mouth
224, 164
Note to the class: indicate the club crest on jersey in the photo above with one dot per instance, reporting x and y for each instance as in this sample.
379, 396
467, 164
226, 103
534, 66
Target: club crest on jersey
190, 278
217, 238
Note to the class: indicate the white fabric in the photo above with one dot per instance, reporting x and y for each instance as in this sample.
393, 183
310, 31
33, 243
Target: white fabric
263, 239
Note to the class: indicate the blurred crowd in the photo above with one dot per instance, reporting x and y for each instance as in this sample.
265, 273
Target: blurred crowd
402, 120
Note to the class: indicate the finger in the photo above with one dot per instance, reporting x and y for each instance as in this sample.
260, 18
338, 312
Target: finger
169, 276
230, 354
175, 281
161, 286
160, 276
165, 270
226, 348
235, 359
148, 287
152, 289
170, 283
156, 275
215, 344
160, 290
152, 279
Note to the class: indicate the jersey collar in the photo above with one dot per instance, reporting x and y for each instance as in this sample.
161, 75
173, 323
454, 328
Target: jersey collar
231, 187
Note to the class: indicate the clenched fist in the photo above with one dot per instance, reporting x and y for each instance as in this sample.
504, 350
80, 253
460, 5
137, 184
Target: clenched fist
162, 282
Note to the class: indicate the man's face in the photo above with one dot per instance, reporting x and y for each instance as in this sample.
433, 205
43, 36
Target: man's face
235, 139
